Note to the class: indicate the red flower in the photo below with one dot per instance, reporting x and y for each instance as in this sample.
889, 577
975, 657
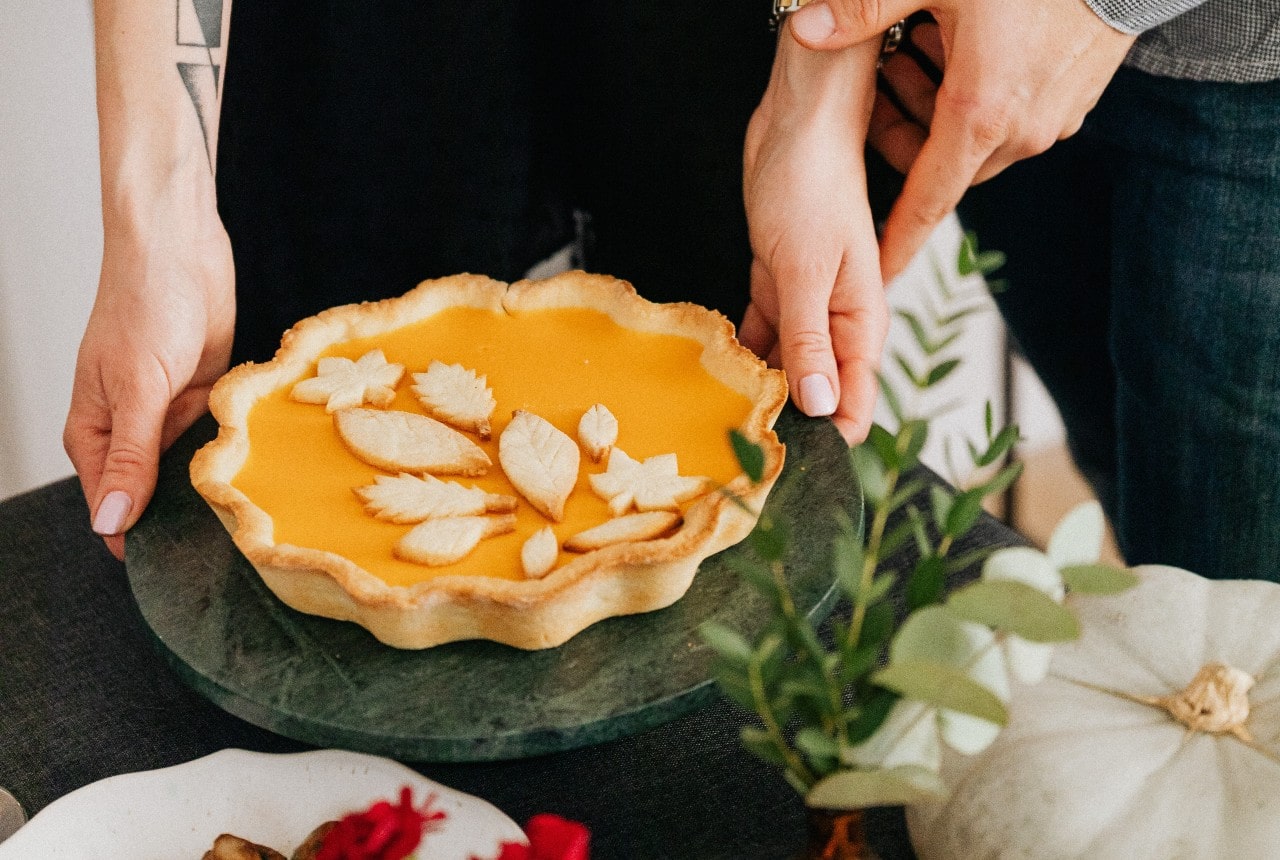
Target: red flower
382, 832
550, 838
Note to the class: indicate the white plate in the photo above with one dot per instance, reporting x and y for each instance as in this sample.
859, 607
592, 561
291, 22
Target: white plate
175, 813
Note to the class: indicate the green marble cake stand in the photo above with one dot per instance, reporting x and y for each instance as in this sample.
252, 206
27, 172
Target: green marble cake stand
331, 684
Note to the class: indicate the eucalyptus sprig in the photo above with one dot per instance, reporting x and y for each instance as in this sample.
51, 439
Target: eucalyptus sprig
853, 718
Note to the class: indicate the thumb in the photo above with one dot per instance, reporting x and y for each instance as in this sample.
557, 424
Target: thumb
828, 25
131, 464
804, 340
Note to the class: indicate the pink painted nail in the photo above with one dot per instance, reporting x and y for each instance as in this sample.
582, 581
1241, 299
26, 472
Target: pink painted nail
816, 396
112, 511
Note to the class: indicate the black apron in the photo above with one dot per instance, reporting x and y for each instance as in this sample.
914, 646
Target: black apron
365, 147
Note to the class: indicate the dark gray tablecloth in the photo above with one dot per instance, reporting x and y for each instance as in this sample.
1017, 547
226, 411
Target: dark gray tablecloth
84, 696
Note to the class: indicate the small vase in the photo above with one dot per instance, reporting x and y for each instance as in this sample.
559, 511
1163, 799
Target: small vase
837, 834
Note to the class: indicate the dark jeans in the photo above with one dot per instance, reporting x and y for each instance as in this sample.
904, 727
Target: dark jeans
1144, 262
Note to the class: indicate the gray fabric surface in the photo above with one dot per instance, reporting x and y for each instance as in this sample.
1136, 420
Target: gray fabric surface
1232, 41
84, 696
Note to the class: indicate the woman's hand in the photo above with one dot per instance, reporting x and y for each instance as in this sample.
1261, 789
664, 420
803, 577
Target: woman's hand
1019, 76
158, 337
817, 299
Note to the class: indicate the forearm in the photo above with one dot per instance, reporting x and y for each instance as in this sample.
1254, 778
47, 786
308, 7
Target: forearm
159, 73
826, 86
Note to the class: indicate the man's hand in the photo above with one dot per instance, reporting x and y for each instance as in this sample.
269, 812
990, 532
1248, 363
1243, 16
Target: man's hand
817, 299
1018, 77
158, 337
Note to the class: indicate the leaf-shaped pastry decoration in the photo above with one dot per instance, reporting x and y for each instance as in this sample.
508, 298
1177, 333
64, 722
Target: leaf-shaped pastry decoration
444, 541
597, 431
539, 553
406, 442
654, 485
456, 396
410, 499
341, 383
625, 529
540, 461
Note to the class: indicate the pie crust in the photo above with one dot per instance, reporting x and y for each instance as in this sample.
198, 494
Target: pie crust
527, 613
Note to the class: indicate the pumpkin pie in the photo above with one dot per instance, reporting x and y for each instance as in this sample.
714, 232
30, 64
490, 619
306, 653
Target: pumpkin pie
478, 460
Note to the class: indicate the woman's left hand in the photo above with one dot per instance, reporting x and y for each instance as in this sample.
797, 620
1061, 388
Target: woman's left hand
817, 299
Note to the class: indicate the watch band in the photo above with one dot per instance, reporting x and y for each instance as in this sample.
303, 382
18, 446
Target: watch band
781, 9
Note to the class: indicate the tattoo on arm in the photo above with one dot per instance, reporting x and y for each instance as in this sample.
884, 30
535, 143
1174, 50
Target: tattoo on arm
201, 52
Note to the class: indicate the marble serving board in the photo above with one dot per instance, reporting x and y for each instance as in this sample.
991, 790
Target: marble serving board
330, 683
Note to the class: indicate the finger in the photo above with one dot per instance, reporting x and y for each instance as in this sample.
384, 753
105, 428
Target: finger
893, 135
804, 334
132, 459
832, 24
926, 38
183, 412
910, 87
86, 438
960, 141
756, 333
859, 326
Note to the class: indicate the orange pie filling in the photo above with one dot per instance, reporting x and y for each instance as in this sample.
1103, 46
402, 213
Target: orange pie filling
556, 363
537, 374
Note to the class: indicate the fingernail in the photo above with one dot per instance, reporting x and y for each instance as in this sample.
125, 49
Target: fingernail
814, 22
816, 396
112, 511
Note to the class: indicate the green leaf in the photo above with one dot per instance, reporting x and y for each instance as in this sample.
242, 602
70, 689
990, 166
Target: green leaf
769, 539
909, 372
939, 372
894, 538
1016, 608
760, 744
872, 711
1098, 579
987, 419
858, 789
735, 685
880, 586
877, 626
964, 513
999, 446
1001, 480
957, 315
942, 501
967, 258
858, 663
942, 686
911, 441
890, 397
871, 473
927, 582
750, 455
728, 643
917, 331
885, 445
904, 492
815, 743
989, 261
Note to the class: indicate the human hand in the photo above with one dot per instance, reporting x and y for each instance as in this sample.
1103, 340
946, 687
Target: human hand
817, 299
1018, 77
158, 337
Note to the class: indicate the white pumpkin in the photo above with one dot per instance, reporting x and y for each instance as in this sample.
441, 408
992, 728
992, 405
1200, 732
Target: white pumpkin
1095, 764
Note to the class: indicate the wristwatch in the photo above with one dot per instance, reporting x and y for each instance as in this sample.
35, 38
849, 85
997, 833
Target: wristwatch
781, 9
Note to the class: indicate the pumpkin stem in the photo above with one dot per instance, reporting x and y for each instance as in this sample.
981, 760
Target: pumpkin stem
1216, 701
